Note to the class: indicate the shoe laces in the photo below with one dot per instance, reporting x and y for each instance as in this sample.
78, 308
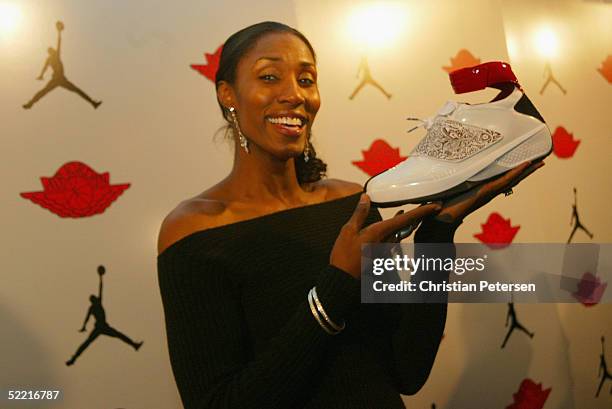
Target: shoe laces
448, 108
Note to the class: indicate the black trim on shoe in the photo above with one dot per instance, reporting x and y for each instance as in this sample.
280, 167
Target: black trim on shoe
525, 106
505, 89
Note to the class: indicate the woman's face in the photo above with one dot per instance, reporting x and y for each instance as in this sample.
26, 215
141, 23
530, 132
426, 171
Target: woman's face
276, 95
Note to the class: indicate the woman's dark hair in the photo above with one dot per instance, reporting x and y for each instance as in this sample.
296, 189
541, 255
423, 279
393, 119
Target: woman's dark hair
236, 47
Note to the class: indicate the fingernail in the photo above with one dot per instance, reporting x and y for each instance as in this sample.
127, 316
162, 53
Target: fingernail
363, 198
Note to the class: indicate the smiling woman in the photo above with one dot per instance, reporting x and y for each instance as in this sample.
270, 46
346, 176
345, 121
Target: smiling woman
272, 90
259, 272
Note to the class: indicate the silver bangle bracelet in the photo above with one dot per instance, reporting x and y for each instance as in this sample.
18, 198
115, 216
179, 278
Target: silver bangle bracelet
314, 313
324, 314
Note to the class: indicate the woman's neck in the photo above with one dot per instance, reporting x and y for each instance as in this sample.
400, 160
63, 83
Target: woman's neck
261, 178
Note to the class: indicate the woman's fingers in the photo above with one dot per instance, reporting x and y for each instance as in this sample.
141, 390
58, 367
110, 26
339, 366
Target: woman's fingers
507, 178
378, 231
516, 180
360, 214
393, 237
514, 176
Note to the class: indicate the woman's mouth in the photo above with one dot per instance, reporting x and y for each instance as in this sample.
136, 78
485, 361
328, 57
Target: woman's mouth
290, 126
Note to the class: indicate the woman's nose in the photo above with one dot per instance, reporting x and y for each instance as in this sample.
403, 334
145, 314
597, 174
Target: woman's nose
291, 93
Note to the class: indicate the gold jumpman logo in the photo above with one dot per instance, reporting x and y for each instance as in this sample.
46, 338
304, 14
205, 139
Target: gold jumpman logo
550, 78
366, 78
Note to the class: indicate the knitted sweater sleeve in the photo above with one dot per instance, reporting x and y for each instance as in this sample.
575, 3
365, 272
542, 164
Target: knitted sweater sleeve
207, 336
416, 338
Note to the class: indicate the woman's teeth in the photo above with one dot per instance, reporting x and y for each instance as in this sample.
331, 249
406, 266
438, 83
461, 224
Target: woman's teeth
286, 121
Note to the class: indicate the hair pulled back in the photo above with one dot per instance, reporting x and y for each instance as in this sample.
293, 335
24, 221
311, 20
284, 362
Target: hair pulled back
236, 47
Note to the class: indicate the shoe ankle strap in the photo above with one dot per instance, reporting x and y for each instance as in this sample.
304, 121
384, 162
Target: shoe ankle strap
481, 76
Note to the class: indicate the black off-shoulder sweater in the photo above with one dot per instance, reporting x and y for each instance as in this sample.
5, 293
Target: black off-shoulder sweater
241, 333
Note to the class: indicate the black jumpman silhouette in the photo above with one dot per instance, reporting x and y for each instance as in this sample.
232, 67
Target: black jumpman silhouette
603, 369
576, 220
59, 79
101, 326
511, 316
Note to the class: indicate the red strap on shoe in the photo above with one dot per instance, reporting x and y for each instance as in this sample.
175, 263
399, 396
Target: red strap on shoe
481, 76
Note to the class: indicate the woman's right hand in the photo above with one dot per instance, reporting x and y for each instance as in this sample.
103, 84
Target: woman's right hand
346, 254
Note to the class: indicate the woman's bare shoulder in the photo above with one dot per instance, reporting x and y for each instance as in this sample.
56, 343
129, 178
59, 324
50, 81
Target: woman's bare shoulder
210, 209
337, 188
190, 215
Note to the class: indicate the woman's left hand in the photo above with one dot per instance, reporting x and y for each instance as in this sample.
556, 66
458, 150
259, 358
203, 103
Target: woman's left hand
456, 208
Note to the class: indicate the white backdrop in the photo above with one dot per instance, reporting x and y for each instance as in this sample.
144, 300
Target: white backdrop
155, 130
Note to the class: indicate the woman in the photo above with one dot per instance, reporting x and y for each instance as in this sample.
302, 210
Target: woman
241, 264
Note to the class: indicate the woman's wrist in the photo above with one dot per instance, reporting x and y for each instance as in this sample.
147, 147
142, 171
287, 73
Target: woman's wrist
338, 291
437, 230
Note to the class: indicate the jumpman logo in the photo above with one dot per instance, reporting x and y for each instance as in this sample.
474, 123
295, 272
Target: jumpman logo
576, 220
59, 79
603, 369
514, 324
366, 78
550, 78
101, 327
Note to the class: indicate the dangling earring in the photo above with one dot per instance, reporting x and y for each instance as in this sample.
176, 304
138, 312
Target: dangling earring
307, 151
243, 141
307, 147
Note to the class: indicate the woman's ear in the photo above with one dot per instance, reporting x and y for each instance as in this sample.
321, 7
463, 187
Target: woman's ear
225, 94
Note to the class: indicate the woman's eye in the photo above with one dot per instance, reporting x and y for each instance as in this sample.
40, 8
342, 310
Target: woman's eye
268, 77
307, 81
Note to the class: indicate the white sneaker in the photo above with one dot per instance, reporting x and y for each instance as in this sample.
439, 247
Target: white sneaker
467, 144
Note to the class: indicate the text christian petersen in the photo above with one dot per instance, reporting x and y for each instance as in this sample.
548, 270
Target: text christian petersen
459, 266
